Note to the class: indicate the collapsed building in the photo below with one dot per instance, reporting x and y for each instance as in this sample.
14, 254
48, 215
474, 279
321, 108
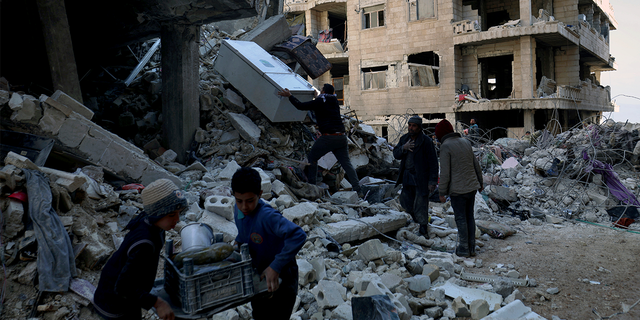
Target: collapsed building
513, 65
98, 175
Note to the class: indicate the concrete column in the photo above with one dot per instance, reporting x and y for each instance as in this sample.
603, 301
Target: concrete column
529, 123
311, 23
324, 20
525, 12
57, 40
180, 79
527, 66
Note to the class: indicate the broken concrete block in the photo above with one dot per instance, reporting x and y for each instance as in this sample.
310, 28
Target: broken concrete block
167, 157
96, 253
376, 287
278, 188
479, 309
229, 137
342, 312
514, 310
28, 274
345, 197
350, 230
391, 280
19, 161
51, 120
372, 250
220, 205
459, 306
515, 295
269, 33
432, 271
233, 101
443, 263
15, 103
284, 201
265, 184
433, 312
228, 172
13, 218
320, 268
73, 104
453, 291
502, 193
329, 294
418, 284
247, 129
306, 272
5, 96
220, 225
362, 281
30, 112
301, 214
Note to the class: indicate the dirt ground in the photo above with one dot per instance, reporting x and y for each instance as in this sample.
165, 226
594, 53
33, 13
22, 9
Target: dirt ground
562, 256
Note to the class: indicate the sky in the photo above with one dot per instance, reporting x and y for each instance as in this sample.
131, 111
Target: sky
625, 47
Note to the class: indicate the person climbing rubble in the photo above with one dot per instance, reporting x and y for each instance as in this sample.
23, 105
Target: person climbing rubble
273, 242
418, 172
128, 277
333, 138
460, 178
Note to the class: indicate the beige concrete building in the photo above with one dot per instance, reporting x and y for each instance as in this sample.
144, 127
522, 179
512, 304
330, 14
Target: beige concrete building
530, 63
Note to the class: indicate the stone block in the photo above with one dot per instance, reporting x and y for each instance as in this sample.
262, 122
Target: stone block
220, 205
279, 188
246, 128
329, 294
320, 268
372, 250
301, 214
233, 101
95, 144
265, 184
432, 271
515, 295
418, 284
391, 280
72, 132
228, 171
229, 137
73, 104
363, 280
220, 225
96, 252
479, 309
30, 112
342, 312
376, 288
503, 286
443, 263
350, 230
284, 200
402, 306
502, 193
345, 197
51, 121
13, 219
459, 306
269, 33
306, 272
15, 103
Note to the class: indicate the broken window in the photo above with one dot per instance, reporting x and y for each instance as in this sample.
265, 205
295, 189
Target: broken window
496, 76
373, 17
421, 9
375, 78
425, 69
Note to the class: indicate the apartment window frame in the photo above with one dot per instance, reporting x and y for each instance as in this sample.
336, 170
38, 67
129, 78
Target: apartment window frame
374, 78
373, 17
424, 69
413, 10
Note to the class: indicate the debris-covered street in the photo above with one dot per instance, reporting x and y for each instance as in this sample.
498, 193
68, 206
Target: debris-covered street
555, 232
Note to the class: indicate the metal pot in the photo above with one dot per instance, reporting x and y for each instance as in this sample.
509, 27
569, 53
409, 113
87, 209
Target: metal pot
196, 236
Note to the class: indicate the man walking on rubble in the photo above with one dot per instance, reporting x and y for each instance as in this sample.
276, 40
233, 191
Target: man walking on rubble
418, 172
460, 178
333, 138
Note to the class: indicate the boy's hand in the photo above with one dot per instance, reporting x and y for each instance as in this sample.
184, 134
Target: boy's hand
272, 279
164, 310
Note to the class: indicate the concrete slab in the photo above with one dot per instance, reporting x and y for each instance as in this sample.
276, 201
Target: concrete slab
269, 33
453, 291
514, 310
73, 104
246, 128
354, 230
229, 170
301, 214
220, 225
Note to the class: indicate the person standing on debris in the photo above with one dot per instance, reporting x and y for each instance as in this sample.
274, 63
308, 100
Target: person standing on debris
418, 172
333, 138
273, 242
128, 277
460, 178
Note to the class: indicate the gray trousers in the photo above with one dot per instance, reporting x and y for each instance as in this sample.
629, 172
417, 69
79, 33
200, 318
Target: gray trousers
339, 146
415, 204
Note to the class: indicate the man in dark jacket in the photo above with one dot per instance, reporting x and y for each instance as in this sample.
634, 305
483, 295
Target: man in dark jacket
333, 139
418, 172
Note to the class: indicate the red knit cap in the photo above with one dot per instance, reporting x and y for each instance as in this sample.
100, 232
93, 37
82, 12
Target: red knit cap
443, 128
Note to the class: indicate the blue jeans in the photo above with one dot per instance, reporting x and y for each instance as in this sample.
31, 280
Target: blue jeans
462, 205
339, 146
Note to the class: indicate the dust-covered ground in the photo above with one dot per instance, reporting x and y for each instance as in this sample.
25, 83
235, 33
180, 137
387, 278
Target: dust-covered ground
569, 256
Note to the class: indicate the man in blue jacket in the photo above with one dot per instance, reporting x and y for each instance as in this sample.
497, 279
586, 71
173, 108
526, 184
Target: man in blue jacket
418, 172
333, 138
273, 242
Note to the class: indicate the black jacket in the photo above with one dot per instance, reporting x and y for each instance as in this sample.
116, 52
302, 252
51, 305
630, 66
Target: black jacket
128, 276
425, 158
327, 112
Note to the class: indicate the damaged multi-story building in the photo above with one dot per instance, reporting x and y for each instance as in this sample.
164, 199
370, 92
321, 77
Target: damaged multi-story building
526, 63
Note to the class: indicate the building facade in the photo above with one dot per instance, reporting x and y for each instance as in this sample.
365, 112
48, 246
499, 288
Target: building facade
515, 65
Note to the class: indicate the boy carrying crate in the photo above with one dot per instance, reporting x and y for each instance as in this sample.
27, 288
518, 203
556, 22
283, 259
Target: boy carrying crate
273, 243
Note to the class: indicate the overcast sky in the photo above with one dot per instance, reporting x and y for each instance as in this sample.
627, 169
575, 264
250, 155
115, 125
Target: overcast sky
625, 47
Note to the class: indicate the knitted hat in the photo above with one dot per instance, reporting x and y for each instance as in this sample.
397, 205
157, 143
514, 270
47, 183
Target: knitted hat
162, 197
443, 128
416, 119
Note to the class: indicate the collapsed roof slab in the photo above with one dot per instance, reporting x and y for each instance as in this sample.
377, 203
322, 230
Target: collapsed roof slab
552, 33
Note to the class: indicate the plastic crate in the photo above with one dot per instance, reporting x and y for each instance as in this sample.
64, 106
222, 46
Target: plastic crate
208, 289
